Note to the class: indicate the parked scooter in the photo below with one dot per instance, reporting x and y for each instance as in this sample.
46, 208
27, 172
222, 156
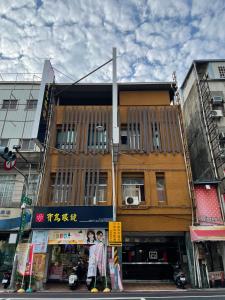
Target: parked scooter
6, 279
75, 277
179, 277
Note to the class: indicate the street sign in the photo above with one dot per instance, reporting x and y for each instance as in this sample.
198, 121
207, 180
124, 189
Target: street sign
115, 234
8, 165
25, 199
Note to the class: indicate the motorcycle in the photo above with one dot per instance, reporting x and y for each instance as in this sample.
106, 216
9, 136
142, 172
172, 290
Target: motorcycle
6, 279
75, 277
179, 277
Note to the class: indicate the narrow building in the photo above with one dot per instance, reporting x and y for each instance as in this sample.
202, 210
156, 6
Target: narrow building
203, 93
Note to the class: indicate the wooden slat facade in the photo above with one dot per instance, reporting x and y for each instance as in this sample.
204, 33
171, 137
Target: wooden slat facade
78, 163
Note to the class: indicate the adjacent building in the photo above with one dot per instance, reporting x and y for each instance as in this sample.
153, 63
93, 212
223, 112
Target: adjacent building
203, 92
21, 101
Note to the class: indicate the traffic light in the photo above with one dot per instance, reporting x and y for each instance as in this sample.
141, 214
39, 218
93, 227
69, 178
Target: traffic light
6, 154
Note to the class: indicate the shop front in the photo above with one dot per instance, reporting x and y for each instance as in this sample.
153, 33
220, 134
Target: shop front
10, 219
152, 256
67, 236
209, 251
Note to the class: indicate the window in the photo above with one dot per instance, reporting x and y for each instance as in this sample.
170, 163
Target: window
97, 137
27, 144
155, 136
123, 134
9, 104
66, 139
32, 187
4, 142
7, 183
31, 104
221, 71
61, 187
133, 188
95, 188
134, 136
161, 187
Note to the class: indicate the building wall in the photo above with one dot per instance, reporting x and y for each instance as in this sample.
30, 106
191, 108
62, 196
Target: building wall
175, 214
17, 123
196, 136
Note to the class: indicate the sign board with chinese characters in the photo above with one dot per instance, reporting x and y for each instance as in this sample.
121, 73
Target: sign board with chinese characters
43, 105
10, 218
78, 237
60, 217
115, 234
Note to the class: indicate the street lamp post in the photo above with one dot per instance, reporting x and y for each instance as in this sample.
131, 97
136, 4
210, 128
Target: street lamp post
20, 231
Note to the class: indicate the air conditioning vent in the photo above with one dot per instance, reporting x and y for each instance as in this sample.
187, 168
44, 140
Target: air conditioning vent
217, 100
216, 113
132, 200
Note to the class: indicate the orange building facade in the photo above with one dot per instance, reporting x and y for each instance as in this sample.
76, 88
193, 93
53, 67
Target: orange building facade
153, 202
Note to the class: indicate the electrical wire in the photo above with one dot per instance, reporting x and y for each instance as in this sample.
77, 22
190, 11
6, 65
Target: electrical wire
96, 69
64, 74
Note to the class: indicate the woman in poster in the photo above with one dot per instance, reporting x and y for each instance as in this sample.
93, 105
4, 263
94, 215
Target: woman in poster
91, 239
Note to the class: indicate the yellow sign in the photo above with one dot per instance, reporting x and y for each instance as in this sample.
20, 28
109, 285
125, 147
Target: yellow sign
115, 234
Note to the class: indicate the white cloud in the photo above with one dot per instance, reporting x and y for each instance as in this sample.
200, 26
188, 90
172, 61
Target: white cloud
153, 37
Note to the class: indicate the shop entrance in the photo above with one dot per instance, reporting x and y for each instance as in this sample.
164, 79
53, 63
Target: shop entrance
62, 258
153, 260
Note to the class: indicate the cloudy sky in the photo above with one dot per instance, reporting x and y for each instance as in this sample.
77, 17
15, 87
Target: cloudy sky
153, 37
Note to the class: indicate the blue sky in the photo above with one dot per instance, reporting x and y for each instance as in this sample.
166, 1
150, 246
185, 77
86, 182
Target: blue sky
153, 37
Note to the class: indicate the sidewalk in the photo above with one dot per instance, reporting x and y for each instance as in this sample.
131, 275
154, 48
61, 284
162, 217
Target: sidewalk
128, 287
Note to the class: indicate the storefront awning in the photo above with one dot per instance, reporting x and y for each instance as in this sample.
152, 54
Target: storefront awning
207, 233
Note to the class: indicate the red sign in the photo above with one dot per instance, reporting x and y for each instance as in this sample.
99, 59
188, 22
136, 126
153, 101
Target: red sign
8, 165
29, 265
208, 206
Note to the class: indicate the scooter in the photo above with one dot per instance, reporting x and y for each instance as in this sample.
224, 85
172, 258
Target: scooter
179, 277
75, 276
6, 279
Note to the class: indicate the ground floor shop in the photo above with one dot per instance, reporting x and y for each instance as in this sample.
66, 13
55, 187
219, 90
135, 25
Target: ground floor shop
65, 237
7, 252
152, 256
209, 255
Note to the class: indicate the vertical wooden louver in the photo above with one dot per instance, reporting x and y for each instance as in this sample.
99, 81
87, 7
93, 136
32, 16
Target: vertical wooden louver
153, 129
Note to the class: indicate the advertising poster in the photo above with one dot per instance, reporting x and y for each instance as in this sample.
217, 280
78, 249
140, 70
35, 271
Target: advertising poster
22, 251
40, 241
79, 237
39, 265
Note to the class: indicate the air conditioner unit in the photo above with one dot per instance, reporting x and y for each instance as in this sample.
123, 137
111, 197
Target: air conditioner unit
130, 200
222, 136
216, 113
222, 154
217, 100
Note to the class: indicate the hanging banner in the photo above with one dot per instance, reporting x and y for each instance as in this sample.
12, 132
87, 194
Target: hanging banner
39, 266
29, 262
22, 252
79, 236
208, 208
40, 241
97, 260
